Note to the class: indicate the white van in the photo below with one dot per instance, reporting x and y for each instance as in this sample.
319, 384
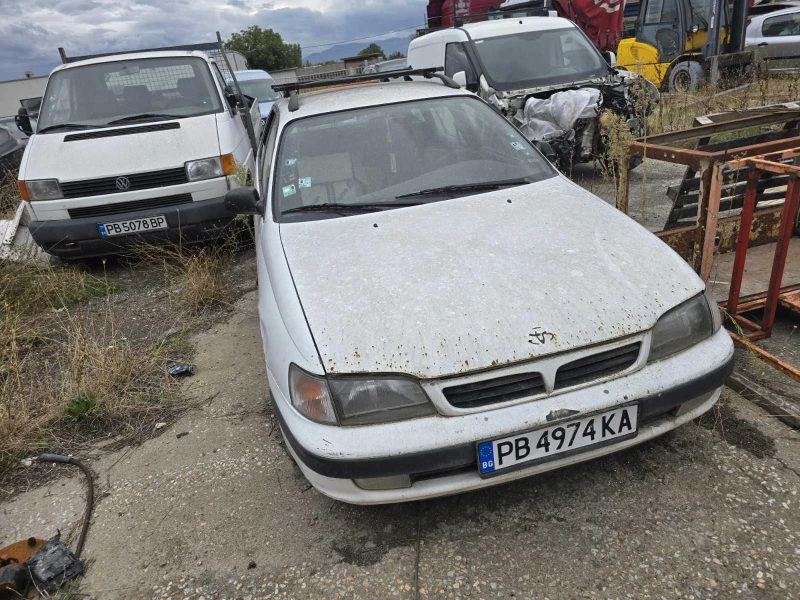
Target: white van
134, 146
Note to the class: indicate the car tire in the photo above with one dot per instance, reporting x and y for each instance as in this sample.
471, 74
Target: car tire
685, 77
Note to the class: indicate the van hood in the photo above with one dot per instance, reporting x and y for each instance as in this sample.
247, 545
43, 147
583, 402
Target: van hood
49, 156
480, 281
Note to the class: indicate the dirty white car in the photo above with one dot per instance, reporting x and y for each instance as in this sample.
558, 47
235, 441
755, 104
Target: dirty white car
442, 311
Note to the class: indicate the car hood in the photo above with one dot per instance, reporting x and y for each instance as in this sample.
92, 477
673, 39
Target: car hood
474, 282
49, 156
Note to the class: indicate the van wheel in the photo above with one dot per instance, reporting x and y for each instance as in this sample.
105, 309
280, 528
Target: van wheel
685, 77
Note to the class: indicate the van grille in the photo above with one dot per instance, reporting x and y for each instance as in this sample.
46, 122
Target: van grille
125, 207
495, 391
92, 135
597, 366
108, 185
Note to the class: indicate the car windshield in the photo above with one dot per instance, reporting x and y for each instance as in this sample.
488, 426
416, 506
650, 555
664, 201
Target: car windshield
399, 154
261, 89
537, 58
101, 93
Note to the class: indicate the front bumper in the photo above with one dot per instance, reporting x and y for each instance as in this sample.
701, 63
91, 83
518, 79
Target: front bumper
80, 238
452, 468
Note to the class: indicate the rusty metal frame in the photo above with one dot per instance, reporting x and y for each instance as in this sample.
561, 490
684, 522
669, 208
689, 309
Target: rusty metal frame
758, 158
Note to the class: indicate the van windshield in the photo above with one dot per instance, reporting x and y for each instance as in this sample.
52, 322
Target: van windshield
132, 90
399, 154
535, 58
261, 89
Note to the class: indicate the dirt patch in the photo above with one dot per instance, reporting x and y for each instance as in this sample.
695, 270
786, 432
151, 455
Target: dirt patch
723, 421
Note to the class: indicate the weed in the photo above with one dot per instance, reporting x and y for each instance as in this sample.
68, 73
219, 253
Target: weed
81, 406
9, 195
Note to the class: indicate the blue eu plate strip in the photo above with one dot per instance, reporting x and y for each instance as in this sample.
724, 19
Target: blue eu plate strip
486, 457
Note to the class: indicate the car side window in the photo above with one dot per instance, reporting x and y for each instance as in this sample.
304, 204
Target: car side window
271, 128
781, 26
456, 60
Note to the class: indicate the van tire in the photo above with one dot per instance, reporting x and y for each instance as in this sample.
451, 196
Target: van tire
685, 77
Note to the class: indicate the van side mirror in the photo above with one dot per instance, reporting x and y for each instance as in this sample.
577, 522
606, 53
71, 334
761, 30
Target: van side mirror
23, 122
460, 78
610, 57
244, 201
231, 97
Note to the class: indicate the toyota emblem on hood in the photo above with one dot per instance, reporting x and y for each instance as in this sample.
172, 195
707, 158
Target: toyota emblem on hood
123, 183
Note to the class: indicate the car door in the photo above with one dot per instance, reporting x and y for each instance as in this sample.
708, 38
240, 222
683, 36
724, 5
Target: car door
779, 41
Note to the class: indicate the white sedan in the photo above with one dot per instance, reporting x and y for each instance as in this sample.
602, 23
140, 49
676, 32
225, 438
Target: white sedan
442, 311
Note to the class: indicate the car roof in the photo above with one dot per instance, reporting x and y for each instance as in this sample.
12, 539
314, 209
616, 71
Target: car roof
361, 95
252, 74
134, 56
775, 13
498, 27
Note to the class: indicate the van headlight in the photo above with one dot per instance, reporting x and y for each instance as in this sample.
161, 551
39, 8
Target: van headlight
357, 400
209, 168
41, 189
684, 326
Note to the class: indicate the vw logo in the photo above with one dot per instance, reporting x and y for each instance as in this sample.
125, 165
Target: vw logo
123, 183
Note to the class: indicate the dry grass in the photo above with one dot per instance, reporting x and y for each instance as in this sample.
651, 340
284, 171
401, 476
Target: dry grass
9, 195
196, 278
67, 375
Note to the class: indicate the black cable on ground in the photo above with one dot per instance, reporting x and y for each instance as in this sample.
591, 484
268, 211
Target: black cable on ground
56, 458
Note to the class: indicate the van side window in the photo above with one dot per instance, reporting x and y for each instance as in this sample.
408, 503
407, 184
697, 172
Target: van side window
456, 59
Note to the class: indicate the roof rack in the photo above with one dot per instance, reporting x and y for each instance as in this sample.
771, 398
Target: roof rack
205, 47
406, 74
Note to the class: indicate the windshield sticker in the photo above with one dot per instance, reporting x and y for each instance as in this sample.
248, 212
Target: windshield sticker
291, 162
511, 135
517, 146
289, 190
304, 182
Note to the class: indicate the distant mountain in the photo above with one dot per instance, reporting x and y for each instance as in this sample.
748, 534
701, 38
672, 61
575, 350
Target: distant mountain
389, 45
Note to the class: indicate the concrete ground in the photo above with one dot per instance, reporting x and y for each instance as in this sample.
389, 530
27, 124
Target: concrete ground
222, 512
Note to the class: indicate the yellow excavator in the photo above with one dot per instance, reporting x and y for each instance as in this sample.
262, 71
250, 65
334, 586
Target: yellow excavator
678, 44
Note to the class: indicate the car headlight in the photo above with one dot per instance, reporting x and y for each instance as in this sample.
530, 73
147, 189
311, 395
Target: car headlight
357, 400
40, 189
209, 168
682, 327
379, 400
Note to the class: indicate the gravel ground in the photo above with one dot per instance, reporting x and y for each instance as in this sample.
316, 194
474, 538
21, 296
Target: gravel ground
224, 513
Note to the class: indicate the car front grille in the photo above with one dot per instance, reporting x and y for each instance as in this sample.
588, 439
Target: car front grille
597, 366
108, 185
104, 210
494, 391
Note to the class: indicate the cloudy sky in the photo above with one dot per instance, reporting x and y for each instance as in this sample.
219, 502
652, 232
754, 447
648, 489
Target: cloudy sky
32, 30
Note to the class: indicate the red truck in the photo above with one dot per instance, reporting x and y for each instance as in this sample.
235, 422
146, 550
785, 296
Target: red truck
600, 20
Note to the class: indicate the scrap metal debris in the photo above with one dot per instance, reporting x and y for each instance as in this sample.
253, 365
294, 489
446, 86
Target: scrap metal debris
16, 243
53, 565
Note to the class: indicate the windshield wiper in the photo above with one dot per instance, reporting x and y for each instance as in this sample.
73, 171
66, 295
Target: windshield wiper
68, 126
141, 117
466, 187
336, 207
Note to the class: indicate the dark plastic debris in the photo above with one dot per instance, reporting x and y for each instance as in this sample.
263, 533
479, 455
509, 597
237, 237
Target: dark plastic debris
54, 564
180, 435
13, 581
179, 370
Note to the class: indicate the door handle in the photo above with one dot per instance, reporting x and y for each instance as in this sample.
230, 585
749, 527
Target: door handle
762, 44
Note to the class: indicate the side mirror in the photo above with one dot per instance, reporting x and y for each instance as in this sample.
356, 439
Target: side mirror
244, 201
231, 97
610, 57
23, 122
460, 78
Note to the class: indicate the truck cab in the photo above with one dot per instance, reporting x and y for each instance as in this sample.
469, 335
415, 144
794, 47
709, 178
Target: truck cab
134, 147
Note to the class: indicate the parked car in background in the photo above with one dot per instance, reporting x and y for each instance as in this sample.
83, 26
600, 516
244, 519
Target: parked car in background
132, 147
545, 76
258, 84
388, 65
442, 311
11, 150
776, 38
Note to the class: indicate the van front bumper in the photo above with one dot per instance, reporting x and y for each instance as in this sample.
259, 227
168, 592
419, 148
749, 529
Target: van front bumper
670, 393
80, 238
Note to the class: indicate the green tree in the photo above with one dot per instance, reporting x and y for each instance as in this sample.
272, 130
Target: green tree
265, 49
394, 55
373, 48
